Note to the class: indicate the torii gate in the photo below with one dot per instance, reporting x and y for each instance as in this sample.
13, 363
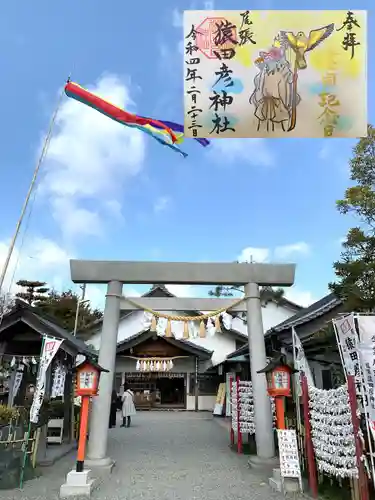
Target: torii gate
117, 273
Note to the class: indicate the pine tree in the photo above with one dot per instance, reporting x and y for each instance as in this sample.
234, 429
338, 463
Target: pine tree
35, 291
63, 307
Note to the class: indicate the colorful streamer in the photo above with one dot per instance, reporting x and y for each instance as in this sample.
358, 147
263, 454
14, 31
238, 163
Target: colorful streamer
177, 127
159, 136
166, 133
78, 93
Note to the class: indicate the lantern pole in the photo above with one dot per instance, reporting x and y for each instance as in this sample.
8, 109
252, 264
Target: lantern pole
280, 412
83, 433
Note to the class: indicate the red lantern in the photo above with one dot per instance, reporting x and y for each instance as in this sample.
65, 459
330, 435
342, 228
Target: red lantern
278, 374
87, 379
278, 381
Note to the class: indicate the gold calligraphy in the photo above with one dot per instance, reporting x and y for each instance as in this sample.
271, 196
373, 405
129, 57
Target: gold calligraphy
328, 100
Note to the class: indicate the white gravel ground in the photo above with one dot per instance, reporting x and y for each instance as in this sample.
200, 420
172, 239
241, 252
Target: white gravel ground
163, 456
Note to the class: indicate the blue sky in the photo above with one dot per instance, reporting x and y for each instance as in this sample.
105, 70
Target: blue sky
107, 193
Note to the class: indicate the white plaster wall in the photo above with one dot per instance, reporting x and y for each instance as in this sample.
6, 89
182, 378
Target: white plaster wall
204, 403
272, 315
221, 344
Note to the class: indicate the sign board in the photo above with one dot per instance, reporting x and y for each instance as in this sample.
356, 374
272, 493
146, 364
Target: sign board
228, 377
275, 73
220, 398
288, 452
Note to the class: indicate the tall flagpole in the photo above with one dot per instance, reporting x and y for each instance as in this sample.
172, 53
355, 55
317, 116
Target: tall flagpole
29, 193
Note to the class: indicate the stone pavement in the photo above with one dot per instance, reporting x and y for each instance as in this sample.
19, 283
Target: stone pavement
163, 456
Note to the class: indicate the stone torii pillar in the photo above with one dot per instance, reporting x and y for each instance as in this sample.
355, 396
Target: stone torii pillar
113, 273
101, 404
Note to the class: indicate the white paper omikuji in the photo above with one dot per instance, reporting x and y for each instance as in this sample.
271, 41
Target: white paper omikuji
246, 407
332, 432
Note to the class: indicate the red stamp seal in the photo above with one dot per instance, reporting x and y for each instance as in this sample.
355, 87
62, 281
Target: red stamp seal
216, 36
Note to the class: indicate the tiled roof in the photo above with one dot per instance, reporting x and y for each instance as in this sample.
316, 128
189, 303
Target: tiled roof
310, 313
316, 310
45, 324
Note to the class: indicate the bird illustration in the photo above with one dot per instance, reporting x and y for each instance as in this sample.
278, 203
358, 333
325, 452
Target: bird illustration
300, 43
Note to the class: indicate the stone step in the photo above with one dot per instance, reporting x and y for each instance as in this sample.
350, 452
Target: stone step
276, 474
275, 485
291, 486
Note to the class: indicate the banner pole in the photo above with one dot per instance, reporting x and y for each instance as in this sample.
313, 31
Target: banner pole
29, 426
362, 479
365, 393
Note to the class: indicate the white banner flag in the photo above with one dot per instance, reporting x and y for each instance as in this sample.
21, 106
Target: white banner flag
50, 348
367, 357
300, 362
347, 339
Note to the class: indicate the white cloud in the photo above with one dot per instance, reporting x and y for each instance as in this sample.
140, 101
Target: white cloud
89, 160
259, 255
300, 297
161, 204
177, 18
114, 208
263, 255
40, 259
324, 152
180, 47
178, 15
252, 254
181, 290
252, 151
284, 251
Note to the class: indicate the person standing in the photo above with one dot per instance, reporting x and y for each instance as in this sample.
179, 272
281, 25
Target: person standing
113, 412
128, 408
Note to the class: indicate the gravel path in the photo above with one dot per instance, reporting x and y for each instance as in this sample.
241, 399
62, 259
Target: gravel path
164, 456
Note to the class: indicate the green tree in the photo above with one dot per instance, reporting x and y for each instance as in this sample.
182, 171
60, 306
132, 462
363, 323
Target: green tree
355, 271
267, 293
63, 307
34, 291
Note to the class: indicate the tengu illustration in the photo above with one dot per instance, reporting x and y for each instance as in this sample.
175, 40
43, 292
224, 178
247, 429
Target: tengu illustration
273, 90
